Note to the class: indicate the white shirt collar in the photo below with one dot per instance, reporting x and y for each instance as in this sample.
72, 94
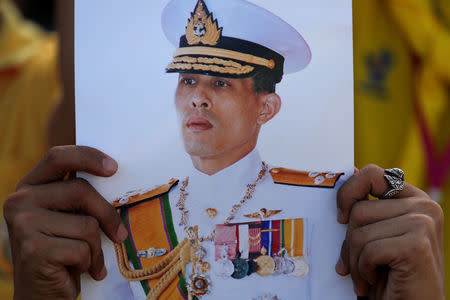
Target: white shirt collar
243, 170
228, 185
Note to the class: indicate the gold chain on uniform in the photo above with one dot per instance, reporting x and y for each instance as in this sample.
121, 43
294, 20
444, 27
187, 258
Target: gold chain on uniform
198, 252
195, 240
185, 214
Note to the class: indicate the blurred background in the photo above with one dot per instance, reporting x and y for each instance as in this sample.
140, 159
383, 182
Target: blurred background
41, 12
402, 94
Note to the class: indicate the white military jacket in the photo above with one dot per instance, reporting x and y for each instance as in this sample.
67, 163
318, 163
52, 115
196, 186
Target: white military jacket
322, 239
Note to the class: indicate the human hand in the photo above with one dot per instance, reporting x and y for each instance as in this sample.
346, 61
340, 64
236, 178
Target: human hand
394, 247
54, 224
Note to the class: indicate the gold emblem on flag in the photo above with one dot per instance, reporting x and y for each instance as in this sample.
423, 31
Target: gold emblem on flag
201, 28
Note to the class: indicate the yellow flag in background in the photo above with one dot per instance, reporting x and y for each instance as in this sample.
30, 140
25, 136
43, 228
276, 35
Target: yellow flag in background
29, 90
402, 99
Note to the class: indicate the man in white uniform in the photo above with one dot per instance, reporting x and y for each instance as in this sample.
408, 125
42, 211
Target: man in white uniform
229, 67
225, 93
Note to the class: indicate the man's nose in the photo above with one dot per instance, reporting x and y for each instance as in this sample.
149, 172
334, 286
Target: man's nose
200, 99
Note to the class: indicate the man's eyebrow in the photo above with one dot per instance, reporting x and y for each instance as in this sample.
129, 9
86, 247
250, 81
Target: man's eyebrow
222, 79
184, 75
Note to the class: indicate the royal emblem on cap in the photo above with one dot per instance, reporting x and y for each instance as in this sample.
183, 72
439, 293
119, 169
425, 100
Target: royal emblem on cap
231, 39
201, 28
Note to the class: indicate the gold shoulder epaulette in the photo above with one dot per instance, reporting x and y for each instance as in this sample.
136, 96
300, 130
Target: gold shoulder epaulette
302, 178
136, 196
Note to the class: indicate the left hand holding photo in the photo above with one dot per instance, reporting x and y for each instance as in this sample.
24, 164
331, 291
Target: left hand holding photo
54, 224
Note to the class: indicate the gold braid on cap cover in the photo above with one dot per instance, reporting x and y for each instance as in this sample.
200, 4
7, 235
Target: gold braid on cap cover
224, 53
167, 269
209, 64
211, 68
207, 60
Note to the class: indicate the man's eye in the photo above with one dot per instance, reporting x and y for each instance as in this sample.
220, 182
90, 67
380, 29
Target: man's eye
222, 84
188, 81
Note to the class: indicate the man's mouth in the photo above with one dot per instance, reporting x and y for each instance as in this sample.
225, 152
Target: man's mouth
198, 124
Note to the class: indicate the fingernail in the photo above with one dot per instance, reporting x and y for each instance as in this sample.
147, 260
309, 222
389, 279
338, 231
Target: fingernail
340, 216
340, 268
357, 291
109, 165
102, 273
121, 234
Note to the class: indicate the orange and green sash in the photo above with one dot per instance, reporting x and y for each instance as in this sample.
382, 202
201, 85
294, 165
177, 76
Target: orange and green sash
150, 225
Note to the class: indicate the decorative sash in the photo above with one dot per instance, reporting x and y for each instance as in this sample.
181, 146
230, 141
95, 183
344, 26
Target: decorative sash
151, 231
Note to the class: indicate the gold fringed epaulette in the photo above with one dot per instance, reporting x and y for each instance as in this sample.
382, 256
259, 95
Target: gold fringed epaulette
302, 178
136, 196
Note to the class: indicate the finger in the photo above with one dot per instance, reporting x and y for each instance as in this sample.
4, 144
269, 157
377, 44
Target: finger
342, 268
368, 181
419, 225
68, 252
410, 263
79, 227
76, 279
364, 213
422, 213
356, 170
79, 195
50, 259
361, 236
64, 225
377, 291
367, 212
392, 252
56, 253
388, 216
68, 196
63, 159
376, 254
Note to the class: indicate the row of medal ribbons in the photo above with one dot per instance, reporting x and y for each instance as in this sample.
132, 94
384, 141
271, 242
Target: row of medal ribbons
275, 247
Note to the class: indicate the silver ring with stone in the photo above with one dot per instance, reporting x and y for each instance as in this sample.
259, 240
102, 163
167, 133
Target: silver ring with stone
395, 178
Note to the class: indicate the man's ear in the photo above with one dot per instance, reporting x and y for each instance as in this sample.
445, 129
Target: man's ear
270, 106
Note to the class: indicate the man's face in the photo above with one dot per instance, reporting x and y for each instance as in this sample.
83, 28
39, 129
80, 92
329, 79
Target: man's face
217, 115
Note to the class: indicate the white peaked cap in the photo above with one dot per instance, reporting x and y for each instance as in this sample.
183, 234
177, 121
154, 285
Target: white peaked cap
243, 20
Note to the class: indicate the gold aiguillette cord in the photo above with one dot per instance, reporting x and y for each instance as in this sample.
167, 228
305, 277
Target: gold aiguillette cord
167, 269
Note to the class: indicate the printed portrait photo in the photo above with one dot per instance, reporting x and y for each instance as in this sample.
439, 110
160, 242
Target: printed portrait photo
232, 124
